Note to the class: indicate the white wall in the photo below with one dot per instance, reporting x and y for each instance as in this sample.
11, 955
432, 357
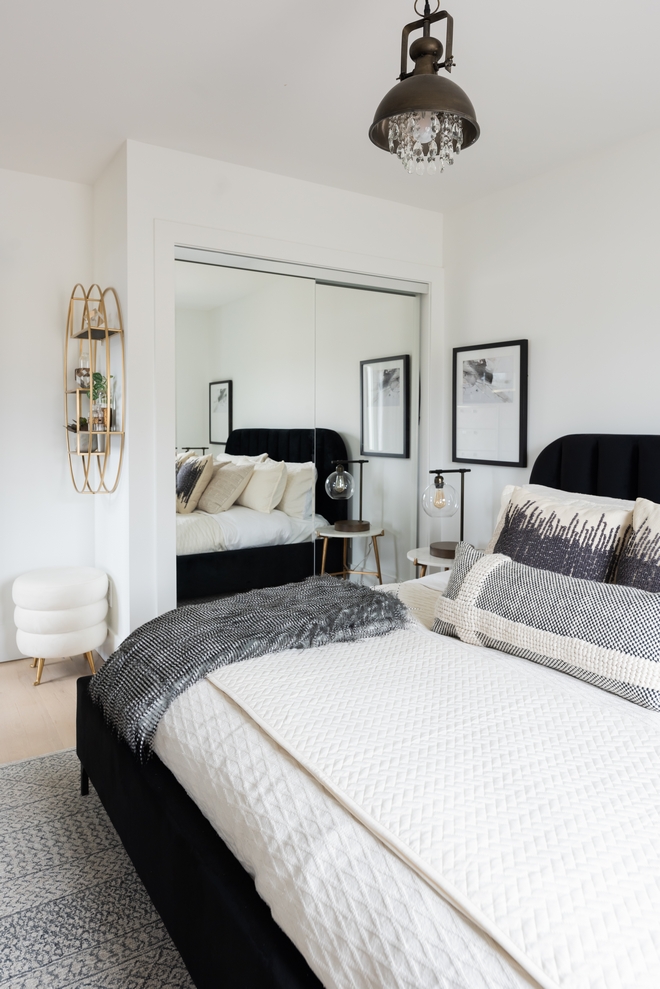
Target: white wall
569, 261
353, 326
45, 248
114, 523
193, 373
264, 343
175, 198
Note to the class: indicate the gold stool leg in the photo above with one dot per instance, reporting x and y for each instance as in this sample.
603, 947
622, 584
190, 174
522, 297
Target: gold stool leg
325, 553
90, 660
344, 559
34, 663
40, 669
374, 540
422, 570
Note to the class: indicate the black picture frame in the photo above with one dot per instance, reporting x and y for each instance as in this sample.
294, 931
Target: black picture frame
385, 407
220, 411
498, 434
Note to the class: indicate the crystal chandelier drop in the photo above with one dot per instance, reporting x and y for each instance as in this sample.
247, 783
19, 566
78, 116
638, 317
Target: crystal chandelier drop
425, 142
426, 119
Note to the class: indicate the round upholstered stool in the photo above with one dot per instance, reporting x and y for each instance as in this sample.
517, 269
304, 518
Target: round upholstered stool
60, 611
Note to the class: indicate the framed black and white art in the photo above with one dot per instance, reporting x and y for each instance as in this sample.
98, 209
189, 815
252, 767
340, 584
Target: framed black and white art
385, 400
220, 402
489, 422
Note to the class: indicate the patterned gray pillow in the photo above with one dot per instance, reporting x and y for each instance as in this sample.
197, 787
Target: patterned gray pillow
639, 565
602, 633
577, 538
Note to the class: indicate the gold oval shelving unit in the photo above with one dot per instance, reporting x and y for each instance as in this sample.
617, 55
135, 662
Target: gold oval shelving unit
94, 392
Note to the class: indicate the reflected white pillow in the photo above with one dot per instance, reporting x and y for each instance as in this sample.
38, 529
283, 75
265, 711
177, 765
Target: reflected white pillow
228, 482
265, 488
298, 498
239, 458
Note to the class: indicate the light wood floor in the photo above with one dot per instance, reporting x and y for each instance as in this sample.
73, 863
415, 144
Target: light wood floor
38, 720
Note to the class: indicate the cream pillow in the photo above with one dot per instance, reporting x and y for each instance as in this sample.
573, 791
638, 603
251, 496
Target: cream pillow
576, 537
191, 481
639, 565
298, 498
266, 486
227, 483
566, 497
181, 458
239, 458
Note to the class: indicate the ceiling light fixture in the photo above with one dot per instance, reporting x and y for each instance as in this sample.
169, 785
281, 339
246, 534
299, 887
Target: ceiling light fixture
425, 119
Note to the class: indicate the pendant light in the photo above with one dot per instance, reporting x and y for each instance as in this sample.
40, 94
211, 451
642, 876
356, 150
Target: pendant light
426, 119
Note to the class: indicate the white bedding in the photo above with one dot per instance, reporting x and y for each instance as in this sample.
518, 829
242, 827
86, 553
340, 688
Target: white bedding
240, 528
528, 799
360, 916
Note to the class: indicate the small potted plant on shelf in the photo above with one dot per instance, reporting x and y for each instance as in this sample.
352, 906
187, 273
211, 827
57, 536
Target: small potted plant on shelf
81, 428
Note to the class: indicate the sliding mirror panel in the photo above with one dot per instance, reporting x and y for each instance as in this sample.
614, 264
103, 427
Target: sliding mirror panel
367, 389
245, 413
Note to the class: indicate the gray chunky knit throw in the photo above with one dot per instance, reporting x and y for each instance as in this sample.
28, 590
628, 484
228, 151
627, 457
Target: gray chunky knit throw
160, 660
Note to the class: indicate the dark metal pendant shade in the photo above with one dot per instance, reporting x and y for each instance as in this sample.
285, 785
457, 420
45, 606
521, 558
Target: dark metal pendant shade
426, 119
424, 92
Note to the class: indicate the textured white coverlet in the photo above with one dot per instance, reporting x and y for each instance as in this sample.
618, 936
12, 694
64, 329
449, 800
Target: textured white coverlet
360, 916
240, 528
529, 799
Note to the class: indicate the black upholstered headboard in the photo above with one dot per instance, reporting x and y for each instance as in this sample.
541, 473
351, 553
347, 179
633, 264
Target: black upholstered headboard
610, 464
297, 446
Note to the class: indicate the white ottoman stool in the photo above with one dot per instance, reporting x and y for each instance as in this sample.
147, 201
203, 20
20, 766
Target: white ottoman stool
60, 611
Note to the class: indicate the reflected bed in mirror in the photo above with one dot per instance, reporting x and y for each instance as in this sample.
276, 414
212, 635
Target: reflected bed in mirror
229, 570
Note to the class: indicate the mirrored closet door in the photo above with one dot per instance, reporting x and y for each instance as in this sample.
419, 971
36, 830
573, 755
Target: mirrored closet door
270, 371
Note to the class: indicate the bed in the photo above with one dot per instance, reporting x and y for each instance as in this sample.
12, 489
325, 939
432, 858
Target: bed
291, 552
209, 902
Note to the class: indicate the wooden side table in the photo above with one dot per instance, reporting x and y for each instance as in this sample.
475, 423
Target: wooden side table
421, 557
327, 532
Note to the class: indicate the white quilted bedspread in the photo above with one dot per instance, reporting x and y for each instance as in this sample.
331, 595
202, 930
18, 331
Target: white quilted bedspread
360, 916
529, 799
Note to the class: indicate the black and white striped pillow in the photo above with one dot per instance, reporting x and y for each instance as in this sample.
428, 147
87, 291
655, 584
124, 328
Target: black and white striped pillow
606, 634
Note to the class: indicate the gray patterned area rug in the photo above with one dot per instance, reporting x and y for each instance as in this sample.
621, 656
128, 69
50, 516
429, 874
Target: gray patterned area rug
73, 912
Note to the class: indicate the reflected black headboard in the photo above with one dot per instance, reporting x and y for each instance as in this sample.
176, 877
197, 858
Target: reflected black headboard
297, 446
615, 465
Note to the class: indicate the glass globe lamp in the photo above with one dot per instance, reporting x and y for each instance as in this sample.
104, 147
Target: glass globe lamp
340, 484
439, 500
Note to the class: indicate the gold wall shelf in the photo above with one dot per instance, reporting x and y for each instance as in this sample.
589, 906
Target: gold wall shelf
94, 389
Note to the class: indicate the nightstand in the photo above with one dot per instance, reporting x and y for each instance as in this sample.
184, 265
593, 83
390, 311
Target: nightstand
421, 557
327, 532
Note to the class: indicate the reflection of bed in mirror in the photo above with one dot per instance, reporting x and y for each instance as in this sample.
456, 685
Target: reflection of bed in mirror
204, 574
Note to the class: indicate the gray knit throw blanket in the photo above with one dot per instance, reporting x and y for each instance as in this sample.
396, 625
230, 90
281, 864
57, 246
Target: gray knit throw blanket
160, 660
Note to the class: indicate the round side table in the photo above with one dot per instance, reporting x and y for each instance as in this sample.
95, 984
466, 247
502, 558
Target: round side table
421, 557
329, 532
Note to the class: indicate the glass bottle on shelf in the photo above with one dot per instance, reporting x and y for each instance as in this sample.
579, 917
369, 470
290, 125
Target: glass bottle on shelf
81, 373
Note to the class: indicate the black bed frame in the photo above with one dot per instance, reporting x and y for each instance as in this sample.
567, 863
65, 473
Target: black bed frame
209, 904
207, 574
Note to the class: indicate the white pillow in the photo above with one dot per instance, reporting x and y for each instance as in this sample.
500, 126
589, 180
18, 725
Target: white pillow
228, 482
239, 458
265, 488
298, 498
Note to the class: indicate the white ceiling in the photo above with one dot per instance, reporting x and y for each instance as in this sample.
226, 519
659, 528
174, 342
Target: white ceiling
291, 87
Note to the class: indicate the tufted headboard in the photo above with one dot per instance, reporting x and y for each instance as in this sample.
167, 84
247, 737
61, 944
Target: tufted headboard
611, 464
297, 446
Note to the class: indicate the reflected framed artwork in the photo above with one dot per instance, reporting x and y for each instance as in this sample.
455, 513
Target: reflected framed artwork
220, 411
489, 421
385, 403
